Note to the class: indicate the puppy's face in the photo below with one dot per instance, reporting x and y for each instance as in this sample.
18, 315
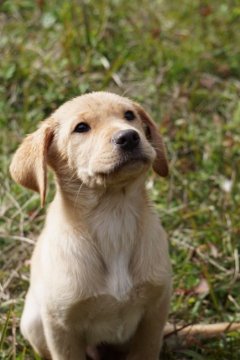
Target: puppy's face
99, 138
103, 138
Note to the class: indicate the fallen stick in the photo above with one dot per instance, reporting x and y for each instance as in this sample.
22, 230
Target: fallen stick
205, 330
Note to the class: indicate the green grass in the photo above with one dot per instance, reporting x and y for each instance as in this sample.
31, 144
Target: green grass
181, 61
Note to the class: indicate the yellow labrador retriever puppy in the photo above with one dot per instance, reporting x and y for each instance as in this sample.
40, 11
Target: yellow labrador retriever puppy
100, 271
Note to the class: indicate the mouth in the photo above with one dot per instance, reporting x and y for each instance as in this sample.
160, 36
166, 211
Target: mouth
129, 162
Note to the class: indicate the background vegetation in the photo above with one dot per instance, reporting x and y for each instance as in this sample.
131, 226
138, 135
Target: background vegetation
180, 59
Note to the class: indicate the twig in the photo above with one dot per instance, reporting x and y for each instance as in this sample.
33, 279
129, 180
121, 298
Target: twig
20, 238
201, 255
205, 330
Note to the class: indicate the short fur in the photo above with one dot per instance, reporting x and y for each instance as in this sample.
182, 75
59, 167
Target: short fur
100, 271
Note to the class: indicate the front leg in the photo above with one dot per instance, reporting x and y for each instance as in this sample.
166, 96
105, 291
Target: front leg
63, 343
147, 341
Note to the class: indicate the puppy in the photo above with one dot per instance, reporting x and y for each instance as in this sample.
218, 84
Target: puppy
100, 271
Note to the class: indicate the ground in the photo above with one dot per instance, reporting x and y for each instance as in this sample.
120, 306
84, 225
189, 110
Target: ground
181, 61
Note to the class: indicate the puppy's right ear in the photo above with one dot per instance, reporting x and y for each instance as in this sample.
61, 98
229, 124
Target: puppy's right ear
29, 164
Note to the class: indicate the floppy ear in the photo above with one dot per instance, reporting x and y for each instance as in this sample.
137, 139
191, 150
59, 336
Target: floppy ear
29, 164
160, 165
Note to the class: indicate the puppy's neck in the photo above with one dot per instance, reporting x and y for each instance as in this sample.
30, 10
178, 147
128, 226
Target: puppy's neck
80, 201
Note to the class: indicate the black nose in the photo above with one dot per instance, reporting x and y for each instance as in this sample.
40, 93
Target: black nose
126, 139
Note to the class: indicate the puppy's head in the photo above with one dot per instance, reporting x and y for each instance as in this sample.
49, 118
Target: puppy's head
97, 139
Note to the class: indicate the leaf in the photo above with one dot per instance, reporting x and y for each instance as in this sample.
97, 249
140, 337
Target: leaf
205, 10
202, 287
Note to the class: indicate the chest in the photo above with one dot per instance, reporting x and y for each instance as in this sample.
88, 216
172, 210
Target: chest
115, 230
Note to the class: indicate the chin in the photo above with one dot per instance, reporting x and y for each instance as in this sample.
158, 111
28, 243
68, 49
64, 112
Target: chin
119, 174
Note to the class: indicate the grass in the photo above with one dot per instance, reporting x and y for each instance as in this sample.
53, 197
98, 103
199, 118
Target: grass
181, 61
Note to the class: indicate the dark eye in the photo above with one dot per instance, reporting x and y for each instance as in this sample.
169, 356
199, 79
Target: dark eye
82, 127
129, 115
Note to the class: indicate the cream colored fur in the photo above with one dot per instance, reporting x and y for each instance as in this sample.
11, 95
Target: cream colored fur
100, 271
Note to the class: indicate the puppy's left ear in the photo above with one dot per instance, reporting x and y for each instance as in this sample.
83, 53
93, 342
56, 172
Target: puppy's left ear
29, 164
160, 165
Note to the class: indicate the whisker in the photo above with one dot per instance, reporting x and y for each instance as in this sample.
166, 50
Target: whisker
78, 193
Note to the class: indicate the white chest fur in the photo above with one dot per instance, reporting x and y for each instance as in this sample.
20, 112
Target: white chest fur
115, 230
